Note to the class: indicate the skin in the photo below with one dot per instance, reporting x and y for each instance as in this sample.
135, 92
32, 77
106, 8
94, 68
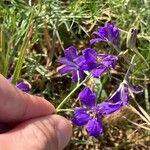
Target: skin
28, 122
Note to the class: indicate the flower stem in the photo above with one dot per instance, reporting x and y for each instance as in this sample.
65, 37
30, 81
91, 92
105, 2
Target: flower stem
129, 69
72, 92
64, 110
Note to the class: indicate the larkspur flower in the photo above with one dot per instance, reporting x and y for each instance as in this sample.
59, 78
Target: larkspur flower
119, 98
108, 33
70, 65
96, 63
88, 61
24, 86
88, 115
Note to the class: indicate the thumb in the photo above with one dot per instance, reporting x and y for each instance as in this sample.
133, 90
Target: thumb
51, 132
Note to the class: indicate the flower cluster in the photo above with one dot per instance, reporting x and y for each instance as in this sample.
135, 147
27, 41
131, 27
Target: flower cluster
90, 114
90, 61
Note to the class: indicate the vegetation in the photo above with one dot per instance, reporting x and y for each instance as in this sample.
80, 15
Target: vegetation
34, 34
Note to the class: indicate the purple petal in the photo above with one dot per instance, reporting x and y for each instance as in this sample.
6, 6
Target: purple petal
65, 69
65, 61
87, 97
109, 28
115, 97
108, 33
98, 71
94, 127
102, 33
121, 94
135, 89
105, 108
81, 63
90, 56
109, 61
80, 117
76, 74
89, 51
92, 41
24, 86
71, 53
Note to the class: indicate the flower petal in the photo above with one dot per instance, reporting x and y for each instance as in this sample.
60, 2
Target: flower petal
107, 33
102, 33
81, 63
115, 97
109, 61
90, 57
96, 72
106, 107
92, 41
87, 97
121, 94
89, 51
71, 53
135, 89
94, 127
80, 117
65, 69
76, 74
65, 61
24, 86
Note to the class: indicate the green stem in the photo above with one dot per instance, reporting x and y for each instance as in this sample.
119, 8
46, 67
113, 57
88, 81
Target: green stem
22, 51
146, 93
129, 69
72, 92
64, 110
53, 42
141, 56
7, 59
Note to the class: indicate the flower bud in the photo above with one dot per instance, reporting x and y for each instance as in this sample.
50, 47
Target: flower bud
131, 38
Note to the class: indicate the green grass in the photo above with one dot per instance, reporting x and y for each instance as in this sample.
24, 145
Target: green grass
32, 37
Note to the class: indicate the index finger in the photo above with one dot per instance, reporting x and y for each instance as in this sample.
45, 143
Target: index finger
16, 105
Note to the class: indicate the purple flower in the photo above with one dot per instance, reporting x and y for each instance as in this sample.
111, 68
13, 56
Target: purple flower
70, 64
108, 33
24, 86
118, 99
88, 61
88, 115
96, 63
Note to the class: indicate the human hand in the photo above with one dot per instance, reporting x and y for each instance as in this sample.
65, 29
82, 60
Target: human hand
27, 122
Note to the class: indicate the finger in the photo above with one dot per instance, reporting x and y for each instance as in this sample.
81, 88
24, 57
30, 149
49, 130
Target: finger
16, 105
4, 127
51, 132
